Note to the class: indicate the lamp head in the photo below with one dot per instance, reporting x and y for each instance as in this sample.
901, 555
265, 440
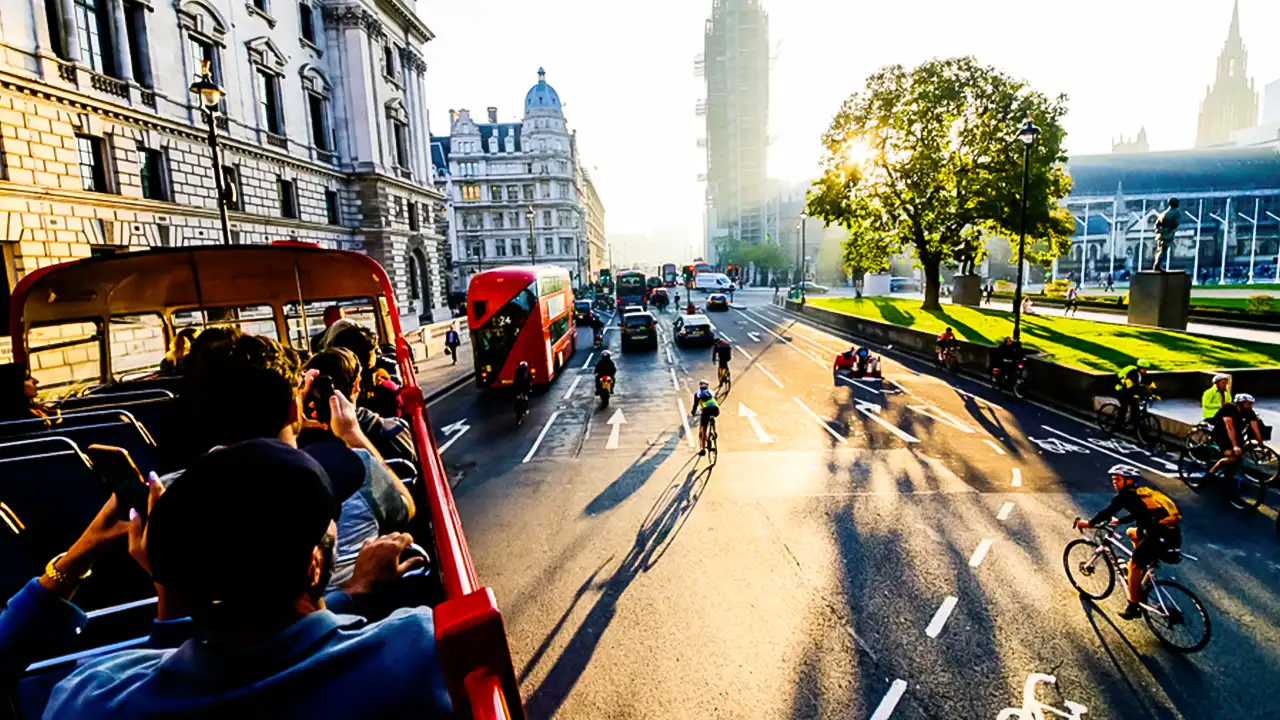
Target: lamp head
1029, 132
210, 92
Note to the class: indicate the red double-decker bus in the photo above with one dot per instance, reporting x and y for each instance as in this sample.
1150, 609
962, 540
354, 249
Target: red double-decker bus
520, 313
669, 275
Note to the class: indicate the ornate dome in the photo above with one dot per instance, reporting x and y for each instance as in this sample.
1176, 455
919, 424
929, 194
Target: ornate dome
542, 96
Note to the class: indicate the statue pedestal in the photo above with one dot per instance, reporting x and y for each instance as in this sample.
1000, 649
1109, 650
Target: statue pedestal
1160, 299
966, 290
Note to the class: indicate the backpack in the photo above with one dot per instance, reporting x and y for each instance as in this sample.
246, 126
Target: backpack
1158, 501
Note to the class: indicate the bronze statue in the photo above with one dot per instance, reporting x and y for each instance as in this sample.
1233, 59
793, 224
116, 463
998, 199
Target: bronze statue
1166, 228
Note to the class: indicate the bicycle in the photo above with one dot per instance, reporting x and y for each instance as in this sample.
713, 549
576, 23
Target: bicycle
713, 450
1259, 461
947, 359
1167, 606
724, 376
1146, 426
1195, 462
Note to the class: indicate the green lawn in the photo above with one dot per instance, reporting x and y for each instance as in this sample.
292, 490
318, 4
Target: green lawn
1078, 343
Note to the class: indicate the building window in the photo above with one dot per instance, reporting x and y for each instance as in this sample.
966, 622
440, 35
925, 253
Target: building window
151, 170
307, 22
470, 192
269, 102
499, 248
288, 198
400, 139
231, 186
331, 207
54, 18
319, 122
497, 221
516, 248
135, 23
95, 39
566, 246
544, 189
513, 193
203, 51
564, 190
93, 165
261, 5
549, 246
414, 223
388, 61
495, 193
528, 192
546, 218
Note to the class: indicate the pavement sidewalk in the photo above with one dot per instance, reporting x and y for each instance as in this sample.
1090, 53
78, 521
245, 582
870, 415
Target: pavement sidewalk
439, 374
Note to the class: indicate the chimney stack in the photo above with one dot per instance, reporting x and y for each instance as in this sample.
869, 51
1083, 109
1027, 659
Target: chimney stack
493, 115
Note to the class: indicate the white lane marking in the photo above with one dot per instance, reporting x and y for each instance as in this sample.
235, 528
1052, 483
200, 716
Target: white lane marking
933, 534
851, 381
1004, 511
684, 418
790, 344
587, 364
541, 435
872, 411
744, 352
1017, 477
768, 374
1118, 456
941, 416
992, 444
755, 337
980, 553
825, 425
572, 386
940, 617
455, 430
980, 401
615, 429
675, 382
885, 709
670, 358
750, 415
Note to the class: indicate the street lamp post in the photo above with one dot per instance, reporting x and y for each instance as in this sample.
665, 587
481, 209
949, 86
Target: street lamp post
211, 95
804, 258
533, 242
1028, 135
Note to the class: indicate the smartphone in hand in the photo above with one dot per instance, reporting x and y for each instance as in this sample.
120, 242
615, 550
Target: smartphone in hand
316, 404
121, 476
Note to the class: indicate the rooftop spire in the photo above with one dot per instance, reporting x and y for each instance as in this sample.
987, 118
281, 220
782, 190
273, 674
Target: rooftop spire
1234, 32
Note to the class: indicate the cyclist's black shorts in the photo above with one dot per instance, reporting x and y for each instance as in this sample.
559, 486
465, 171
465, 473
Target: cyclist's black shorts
708, 413
1157, 545
723, 362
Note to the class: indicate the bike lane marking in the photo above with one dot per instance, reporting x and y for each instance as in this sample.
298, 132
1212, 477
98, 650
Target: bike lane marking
572, 386
980, 553
809, 355
541, 435
1004, 511
940, 617
890, 701
824, 423
1131, 461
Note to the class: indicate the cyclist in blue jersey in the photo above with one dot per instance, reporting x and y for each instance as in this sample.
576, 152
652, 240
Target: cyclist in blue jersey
704, 400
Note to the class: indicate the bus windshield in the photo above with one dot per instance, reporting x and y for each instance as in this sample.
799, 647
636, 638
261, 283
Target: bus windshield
492, 342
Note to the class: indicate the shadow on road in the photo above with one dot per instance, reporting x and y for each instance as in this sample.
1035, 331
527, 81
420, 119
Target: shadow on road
634, 477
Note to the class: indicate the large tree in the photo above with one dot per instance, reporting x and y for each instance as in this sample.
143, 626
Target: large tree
927, 158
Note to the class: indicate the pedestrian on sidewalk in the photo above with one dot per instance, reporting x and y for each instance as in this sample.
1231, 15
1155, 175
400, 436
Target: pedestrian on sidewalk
991, 291
1111, 283
451, 342
1073, 302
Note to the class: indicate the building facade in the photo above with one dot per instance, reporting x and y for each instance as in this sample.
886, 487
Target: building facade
735, 62
323, 132
1230, 103
516, 190
596, 246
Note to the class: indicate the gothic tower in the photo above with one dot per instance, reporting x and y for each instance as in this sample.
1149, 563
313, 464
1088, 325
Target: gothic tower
1231, 103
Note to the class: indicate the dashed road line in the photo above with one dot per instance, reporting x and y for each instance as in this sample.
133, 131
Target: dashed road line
1017, 477
886, 707
675, 382
768, 374
572, 386
541, 435
940, 617
587, 364
744, 352
994, 446
1004, 511
980, 553
825, 424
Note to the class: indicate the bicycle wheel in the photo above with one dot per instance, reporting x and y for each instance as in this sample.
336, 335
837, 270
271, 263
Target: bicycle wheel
1198, 437
1183, 626
1089, 570
1194, 464
1262, 463
713, 448
1252, 490
1108, 415
1149, 430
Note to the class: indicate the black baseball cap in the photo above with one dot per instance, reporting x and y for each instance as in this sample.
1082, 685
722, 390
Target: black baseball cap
240, 523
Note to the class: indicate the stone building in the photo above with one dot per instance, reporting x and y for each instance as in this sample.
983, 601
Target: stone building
515, 191
1231, 103
323, 132
596, 244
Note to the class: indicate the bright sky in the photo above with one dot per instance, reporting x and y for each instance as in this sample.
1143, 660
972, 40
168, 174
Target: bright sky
625, 74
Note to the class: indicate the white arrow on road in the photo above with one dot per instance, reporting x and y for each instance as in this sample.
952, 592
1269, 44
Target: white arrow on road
755, 337
616, 422
750, 415
872, 411
454, 431
941, 416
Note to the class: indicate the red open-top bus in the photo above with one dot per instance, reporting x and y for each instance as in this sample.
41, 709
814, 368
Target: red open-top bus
278, 283
520, 313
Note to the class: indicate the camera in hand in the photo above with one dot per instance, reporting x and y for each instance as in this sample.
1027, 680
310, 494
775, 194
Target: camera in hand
316, 404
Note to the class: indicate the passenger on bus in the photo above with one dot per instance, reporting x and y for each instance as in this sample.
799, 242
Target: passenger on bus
18, 394
251, 390
379, 392
172, 362
261, 514
390, 436
332, 315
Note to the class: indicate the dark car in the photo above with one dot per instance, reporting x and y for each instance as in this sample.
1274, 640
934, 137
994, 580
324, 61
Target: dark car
693, 330
659, 297
639, 328
717, 302
582, 310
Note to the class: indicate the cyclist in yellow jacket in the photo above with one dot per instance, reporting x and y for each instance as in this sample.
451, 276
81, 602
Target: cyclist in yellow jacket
1216, 396
1133, 384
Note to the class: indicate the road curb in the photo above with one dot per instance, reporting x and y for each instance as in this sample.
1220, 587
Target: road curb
450, 387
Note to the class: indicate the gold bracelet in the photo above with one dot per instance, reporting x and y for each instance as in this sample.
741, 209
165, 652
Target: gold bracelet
60, 577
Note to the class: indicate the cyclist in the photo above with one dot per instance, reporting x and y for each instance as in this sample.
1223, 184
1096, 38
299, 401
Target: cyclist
1005, 358
947, 340
1217, 395
522, 384
704, 400
721, 353
855, 360
1228, 429
1132, 385
1157, 531
597, 329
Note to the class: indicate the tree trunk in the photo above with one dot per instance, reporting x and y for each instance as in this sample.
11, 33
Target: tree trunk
931, 283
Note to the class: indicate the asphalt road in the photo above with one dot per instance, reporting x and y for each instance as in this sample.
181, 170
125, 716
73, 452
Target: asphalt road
859, 551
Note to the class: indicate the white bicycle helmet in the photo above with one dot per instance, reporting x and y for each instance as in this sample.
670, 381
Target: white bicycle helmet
1220, 377
1128, 472
703, 384
1244, 398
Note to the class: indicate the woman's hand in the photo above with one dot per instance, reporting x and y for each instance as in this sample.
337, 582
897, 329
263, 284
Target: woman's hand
137, 529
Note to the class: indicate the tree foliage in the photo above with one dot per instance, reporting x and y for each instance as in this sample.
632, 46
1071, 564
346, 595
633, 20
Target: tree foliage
927, 158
